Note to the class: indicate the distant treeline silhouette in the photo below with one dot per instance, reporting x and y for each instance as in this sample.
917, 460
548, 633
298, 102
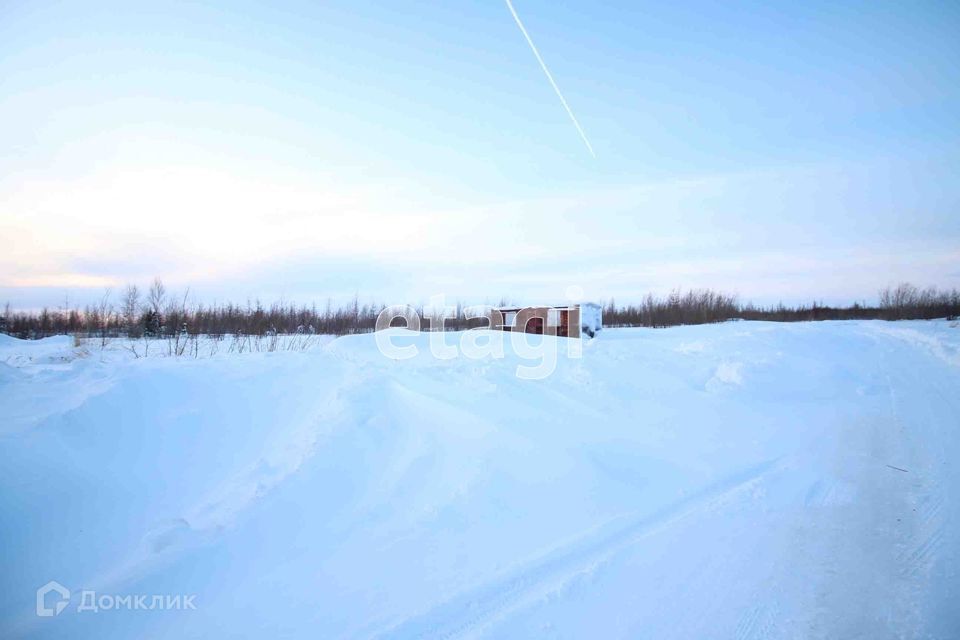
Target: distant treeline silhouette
701, 306
157, 313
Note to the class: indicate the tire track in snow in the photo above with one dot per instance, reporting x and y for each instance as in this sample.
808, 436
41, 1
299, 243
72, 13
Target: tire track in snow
921, 554
759, 622
471, 612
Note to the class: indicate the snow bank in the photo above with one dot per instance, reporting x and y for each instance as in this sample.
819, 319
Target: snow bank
742, 480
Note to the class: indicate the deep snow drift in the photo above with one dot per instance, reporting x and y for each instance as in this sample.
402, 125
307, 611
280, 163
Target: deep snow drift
743, 480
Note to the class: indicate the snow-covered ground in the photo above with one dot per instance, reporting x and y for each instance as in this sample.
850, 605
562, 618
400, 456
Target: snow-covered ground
741, 480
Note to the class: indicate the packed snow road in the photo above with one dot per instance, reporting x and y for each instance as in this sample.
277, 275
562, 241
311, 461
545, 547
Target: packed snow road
741, 480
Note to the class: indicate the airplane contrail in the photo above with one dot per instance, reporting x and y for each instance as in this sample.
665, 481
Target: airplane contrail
543, 65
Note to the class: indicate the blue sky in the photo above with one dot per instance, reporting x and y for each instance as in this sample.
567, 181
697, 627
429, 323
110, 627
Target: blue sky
782, 151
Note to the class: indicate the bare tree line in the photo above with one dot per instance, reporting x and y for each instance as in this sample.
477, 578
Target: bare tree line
158, 313
902, 302
699, 306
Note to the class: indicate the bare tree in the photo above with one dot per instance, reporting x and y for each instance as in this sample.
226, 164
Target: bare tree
130, 306
157, 295
104, 310
156, 298
177, 317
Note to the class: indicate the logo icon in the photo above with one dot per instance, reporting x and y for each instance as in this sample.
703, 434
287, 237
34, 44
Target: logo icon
63, 596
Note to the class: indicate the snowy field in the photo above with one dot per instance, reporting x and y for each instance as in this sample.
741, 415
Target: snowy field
741, 480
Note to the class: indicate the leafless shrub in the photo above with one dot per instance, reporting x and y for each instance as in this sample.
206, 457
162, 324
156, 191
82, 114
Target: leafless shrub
132, 348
